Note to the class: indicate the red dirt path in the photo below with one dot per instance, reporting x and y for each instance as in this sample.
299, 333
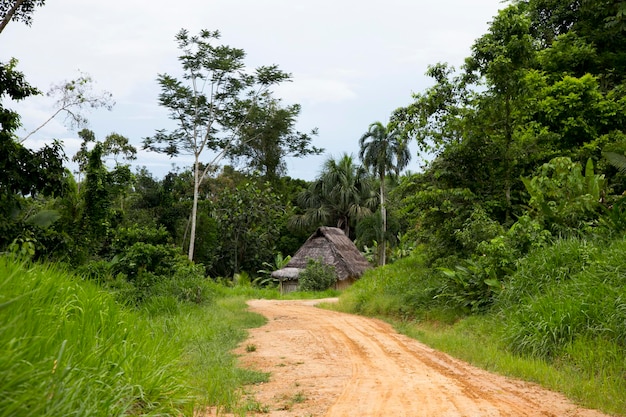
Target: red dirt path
325, 363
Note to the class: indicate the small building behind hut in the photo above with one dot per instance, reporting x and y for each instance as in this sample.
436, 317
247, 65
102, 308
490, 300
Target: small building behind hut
334, 248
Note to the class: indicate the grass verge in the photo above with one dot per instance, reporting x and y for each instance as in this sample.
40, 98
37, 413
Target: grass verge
209, 334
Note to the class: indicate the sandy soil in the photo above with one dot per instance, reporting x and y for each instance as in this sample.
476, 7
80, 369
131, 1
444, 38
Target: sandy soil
325, 363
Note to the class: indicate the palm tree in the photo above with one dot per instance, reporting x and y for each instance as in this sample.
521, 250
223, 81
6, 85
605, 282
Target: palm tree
340, 196
385, 152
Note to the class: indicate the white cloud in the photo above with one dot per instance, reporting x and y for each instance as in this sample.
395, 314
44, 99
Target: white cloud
316, 90
353, 61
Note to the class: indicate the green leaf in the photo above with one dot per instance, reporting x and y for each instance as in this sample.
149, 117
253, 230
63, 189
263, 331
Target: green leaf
43, 218
493, 283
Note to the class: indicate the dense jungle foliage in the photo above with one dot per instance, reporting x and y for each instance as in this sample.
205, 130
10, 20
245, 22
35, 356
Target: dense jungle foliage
518, 216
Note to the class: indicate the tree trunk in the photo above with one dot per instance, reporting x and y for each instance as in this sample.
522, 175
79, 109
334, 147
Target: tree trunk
236, 255
508, 137
194, 208
10, 14
382, 257
344, 225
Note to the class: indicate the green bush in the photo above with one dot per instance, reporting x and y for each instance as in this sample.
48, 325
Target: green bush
141, 258
469, 286
564, 198
438, 214
479, 227
474, 283
188, 284
150, 271
126, 237
317, 276
97, 271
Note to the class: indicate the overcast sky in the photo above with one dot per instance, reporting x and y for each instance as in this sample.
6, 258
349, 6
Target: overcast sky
353, 62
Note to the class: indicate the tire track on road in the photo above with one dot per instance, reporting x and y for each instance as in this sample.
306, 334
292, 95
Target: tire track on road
347, 365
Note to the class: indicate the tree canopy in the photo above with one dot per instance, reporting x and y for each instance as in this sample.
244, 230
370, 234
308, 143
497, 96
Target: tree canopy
223, 109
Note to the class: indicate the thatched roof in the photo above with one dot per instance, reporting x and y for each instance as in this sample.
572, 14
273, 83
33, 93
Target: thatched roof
334, 248
287, 273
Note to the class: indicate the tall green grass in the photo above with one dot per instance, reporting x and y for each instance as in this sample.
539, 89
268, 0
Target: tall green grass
567, 306
545, 268
547, 309
68, 349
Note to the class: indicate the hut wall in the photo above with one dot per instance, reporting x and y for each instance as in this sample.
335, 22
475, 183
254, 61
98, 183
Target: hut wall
344, 283
288, 286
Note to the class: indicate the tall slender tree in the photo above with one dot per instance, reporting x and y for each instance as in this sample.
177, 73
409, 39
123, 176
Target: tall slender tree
385, 152
210, 105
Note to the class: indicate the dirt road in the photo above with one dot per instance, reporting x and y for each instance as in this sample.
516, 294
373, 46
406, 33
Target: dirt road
325, 363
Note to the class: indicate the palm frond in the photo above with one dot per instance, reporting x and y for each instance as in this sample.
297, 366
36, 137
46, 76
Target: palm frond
43, 218
617, 160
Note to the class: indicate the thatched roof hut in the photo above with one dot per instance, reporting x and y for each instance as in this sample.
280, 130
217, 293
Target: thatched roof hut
334, 248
